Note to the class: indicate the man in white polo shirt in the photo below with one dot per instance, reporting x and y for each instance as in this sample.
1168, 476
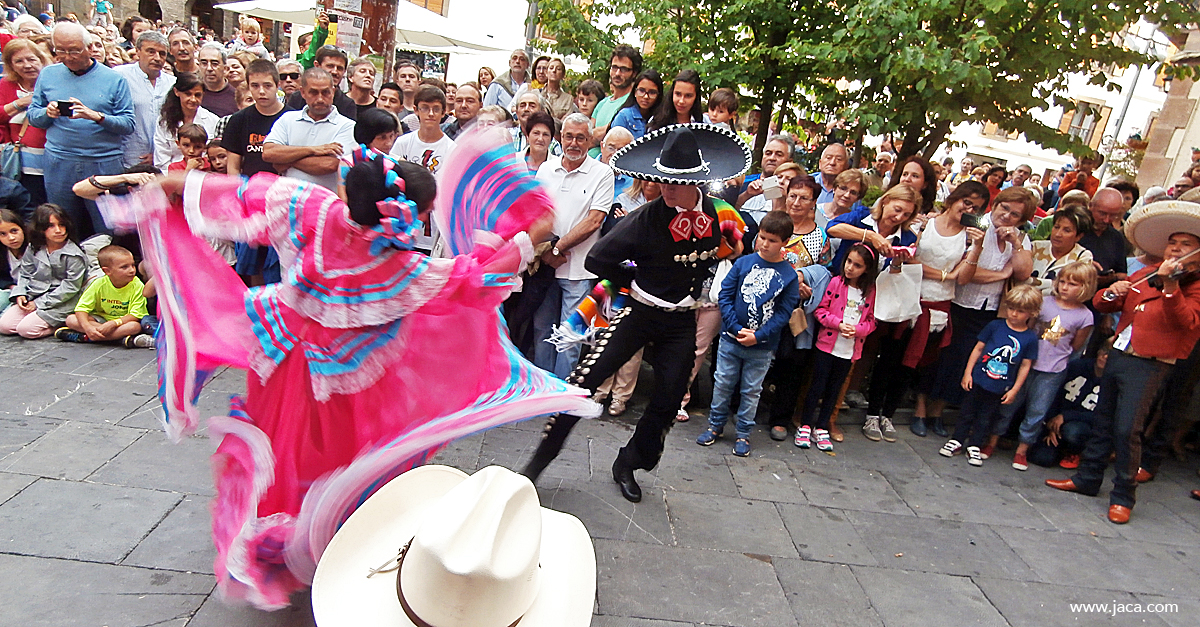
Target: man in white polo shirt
582, 189
308, 144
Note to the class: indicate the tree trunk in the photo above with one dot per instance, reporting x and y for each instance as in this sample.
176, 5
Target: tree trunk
764, 118
858, 147
936, 138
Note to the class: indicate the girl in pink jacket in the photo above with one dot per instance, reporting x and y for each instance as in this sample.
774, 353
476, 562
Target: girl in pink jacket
846, 316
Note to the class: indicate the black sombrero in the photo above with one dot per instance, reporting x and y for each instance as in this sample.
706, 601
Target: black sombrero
684, 154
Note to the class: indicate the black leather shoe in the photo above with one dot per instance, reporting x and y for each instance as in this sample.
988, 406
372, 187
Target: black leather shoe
623, 475
918, 427
939, 428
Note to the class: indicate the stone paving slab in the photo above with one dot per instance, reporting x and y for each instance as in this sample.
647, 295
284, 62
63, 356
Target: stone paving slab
17, 432
707, 521
11, 484
825, 594
939, 546
182, 541
81, 521
73, 450
825, 535
766, 480
607, 515
969, 500
67, 593
850, 487
1104, 563
154, 462
1028, 604
913, 599
1183, 614
694, 585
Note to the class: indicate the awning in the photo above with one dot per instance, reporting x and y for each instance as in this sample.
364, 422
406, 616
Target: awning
416, 28
292, 11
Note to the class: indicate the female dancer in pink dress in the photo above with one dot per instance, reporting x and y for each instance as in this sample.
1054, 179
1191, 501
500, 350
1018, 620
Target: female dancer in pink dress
362, 362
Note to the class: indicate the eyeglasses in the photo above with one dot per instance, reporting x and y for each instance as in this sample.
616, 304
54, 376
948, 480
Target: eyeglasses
621, 68
72, 53
647, 92
289, 76
847, 190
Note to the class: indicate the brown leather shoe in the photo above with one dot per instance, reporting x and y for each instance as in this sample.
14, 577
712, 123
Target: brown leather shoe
1143, 476
1118, 514
1066, 485
1196, 494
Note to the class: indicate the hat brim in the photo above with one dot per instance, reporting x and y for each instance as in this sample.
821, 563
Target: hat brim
343, 595
727, 156
1150, 227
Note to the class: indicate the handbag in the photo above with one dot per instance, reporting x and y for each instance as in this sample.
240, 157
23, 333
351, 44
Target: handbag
898, 294
10, 155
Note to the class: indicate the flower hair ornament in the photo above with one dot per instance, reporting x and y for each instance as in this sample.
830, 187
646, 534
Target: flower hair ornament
398, 223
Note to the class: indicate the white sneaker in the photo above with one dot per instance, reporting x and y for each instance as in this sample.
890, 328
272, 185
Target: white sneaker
886, 429
951, 448
871, 429
973, 456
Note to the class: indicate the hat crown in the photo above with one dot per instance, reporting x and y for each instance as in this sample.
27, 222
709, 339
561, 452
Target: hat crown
680, 151
474, 559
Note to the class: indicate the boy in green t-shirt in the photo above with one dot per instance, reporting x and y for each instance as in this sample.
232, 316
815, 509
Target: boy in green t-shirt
111, 307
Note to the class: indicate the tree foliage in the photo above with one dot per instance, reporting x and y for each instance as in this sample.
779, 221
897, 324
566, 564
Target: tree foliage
910, 67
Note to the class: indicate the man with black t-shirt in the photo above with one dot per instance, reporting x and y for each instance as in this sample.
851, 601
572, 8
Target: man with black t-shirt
246, 130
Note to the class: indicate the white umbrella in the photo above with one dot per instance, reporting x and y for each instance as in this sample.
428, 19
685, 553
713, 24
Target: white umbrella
275, 10
416, 28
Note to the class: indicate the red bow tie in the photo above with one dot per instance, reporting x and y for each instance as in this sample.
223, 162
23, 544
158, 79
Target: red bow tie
691, 223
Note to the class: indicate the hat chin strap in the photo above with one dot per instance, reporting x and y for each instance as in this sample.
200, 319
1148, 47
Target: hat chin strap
669, 170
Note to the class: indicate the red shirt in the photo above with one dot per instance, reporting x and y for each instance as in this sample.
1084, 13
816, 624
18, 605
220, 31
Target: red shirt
1071, 181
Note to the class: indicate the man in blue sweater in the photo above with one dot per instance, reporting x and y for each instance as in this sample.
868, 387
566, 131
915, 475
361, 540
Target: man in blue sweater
86, 140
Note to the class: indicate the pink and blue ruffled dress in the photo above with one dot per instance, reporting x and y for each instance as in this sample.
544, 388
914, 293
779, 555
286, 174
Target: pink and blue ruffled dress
360, 366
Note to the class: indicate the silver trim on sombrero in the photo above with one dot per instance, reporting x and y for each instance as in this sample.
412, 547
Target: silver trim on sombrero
720, 129
703, 166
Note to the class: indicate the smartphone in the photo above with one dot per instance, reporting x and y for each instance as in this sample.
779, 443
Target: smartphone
970, 221
64, 108
771, 188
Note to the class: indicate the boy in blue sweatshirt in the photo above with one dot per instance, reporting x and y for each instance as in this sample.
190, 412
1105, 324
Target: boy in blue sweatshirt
757, 298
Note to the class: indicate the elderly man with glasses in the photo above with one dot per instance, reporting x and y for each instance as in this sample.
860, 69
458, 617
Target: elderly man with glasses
502, 90
84, 139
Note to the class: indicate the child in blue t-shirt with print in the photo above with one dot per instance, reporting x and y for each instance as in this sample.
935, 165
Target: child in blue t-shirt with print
757, 298
996, 371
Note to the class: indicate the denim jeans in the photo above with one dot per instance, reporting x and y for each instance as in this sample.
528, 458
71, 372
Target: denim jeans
68, 172
1039, 389
975, 416
744, 368
561, 300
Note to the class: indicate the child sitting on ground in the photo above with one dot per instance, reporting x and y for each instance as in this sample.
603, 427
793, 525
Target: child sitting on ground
996, 371
847, 317
12, 236
193, 141
1066, 433
756, 299
51, 276
112, 307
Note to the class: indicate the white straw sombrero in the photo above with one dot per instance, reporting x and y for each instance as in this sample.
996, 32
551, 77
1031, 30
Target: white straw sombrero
448, 550
1149, 228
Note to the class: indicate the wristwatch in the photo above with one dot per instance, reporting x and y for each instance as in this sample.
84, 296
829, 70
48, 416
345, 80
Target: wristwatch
556, 252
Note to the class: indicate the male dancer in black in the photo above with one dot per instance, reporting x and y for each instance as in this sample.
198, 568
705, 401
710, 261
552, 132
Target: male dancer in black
662, 252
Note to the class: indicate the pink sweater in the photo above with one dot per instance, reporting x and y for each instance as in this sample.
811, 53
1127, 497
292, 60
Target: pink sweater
830, 312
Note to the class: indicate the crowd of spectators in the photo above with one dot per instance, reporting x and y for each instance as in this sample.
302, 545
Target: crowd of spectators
999, 259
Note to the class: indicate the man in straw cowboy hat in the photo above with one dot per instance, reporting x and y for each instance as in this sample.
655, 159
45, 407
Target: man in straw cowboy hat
663, 253
437, 548
1160, 324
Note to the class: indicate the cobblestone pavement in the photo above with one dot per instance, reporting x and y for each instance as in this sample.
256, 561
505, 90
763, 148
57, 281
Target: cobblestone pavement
105, 522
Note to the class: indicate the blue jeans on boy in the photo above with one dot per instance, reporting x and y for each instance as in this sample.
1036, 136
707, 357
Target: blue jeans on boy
1040, 388
743, 368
